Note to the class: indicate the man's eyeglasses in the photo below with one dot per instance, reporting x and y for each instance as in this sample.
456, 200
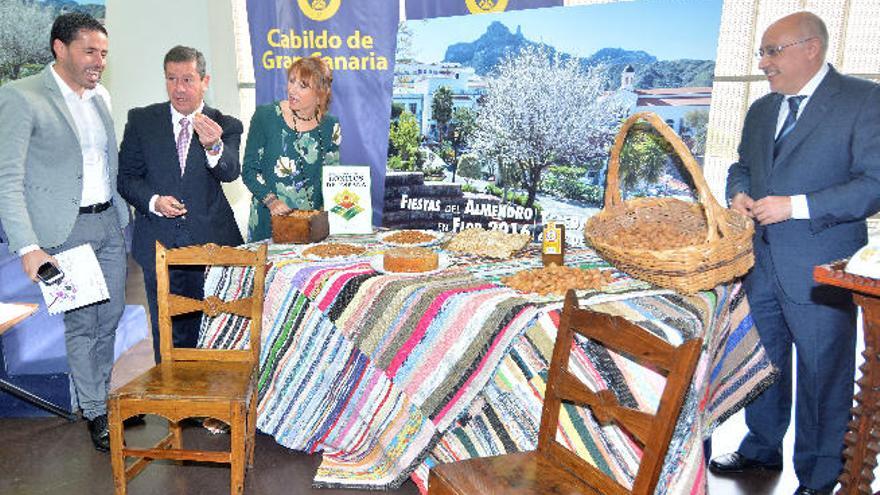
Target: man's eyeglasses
773, 51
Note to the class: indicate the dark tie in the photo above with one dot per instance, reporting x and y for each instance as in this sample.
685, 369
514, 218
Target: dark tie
794, 102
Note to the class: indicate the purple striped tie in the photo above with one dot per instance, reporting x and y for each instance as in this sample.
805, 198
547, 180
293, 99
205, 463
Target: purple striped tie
183, 138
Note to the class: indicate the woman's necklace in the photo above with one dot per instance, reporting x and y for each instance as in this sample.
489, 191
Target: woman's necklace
298, 117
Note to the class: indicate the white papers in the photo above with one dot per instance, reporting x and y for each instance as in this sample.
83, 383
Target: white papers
83, 282
10, 312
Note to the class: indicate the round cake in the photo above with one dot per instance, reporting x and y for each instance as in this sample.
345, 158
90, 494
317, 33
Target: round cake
410, 260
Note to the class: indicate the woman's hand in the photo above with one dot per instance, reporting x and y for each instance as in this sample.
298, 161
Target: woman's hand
278, 207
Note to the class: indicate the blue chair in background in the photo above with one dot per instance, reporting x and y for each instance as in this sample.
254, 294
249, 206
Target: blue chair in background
34, 376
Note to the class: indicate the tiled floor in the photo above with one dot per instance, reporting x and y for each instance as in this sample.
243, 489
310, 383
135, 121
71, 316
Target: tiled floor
50, 456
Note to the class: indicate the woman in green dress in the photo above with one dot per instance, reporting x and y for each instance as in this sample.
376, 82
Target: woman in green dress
288, 144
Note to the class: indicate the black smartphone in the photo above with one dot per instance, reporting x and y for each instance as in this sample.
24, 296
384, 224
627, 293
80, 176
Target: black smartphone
49, 273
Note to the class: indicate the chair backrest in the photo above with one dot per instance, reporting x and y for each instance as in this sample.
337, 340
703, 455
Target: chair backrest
170, 305
652, 432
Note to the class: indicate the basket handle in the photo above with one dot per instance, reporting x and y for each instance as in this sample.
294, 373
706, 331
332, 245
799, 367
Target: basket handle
613, 199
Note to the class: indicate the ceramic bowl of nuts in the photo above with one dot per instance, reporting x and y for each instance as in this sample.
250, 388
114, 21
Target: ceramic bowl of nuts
409, 238
334, 251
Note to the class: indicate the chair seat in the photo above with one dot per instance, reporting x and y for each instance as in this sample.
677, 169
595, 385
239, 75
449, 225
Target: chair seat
191, 380
513, 474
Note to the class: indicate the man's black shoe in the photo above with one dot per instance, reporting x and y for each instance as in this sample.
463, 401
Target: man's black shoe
99, 433
802, 490
737, 463
137, 420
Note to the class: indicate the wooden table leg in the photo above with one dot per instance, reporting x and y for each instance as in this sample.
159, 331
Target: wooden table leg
862, 438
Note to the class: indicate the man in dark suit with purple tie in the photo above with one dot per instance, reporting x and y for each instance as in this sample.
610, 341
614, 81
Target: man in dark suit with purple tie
809, 175
172, 161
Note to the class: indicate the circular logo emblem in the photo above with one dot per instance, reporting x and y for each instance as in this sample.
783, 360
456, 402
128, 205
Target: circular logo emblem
319, 10
486, 6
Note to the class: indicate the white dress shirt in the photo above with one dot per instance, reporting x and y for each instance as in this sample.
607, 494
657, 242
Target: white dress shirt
92, 140
799, 208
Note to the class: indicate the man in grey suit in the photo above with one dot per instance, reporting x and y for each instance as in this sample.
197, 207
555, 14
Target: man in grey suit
809, 175
58, 166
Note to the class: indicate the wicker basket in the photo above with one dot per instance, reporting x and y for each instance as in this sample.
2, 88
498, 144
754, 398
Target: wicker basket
300, 227
725, 254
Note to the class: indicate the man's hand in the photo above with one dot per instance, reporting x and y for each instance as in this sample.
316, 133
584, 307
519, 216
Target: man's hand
278, 207
743, 203
209, 131
772, 209
170, 207
32, 261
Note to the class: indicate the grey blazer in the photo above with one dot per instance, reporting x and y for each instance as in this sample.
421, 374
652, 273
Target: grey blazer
41, 162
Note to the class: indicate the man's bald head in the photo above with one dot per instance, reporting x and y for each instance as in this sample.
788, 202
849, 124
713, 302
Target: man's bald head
807, 25
793, 51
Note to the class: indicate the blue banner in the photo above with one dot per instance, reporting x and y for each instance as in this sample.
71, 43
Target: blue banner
358, 40
426, 9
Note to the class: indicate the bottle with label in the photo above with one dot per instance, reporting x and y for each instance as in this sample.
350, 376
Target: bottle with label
553, 246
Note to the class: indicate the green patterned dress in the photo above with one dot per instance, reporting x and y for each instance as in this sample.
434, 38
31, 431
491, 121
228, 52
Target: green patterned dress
287, 163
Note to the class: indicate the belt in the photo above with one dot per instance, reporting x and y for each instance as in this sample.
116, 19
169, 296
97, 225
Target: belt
96, 208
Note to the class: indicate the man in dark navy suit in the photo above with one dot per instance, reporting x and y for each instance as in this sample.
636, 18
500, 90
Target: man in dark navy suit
809, 175
172, 161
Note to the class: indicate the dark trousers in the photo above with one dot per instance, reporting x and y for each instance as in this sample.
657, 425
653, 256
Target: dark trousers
186, 281
824, 336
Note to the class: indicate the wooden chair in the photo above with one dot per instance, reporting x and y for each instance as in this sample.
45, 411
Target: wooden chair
552, 468
190, 383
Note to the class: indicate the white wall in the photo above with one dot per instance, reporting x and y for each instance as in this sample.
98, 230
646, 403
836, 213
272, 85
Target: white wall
140, 35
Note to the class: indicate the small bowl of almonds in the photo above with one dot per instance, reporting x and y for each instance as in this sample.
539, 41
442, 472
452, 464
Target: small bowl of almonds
409, 238
332, 251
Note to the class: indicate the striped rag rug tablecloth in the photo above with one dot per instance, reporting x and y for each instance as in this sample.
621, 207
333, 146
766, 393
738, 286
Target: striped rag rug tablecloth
387, 375
733, 369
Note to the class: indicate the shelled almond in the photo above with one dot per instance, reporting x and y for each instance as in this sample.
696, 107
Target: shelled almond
660, 227
410, 237
334, 250
555, 279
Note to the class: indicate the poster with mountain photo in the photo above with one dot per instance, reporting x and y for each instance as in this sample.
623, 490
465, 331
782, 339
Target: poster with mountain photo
505, 120
24, 32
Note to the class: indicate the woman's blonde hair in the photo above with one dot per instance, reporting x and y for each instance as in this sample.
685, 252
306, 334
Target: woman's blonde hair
318, 76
